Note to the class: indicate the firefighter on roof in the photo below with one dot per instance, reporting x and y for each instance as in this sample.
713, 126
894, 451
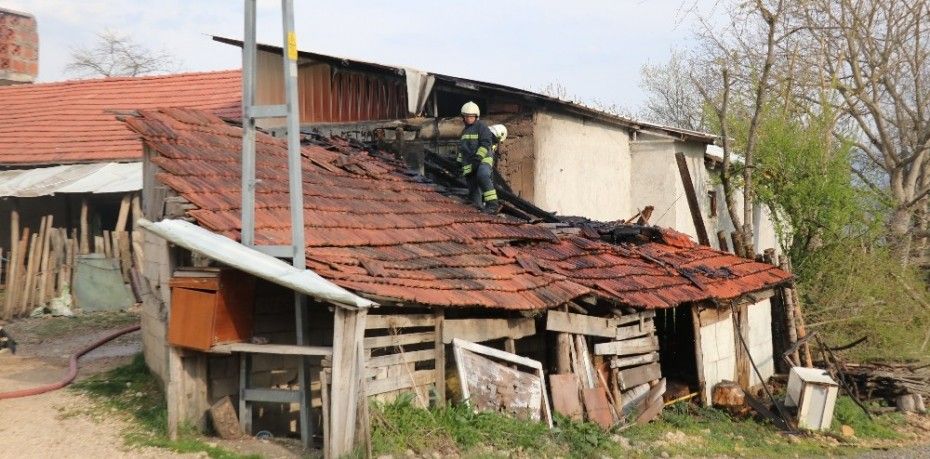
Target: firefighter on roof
476, 156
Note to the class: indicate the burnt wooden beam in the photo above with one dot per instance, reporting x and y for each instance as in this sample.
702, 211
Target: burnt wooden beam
692, 199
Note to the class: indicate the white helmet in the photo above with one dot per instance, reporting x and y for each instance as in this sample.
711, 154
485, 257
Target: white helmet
471, 108
499, 131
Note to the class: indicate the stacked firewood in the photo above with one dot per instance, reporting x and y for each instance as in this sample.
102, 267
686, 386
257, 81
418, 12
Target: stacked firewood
41, 262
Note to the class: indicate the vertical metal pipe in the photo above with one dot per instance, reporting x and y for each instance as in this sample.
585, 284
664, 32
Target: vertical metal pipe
295, 189
294, 163
248, 127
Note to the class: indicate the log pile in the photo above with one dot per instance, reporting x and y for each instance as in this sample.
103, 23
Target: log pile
41, 262
888, 382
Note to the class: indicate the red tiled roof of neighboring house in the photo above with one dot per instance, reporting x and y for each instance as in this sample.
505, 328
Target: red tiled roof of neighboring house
373, 229
74, 122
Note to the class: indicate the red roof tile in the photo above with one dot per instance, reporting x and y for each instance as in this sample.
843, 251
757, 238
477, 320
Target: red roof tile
73, 121
371, 228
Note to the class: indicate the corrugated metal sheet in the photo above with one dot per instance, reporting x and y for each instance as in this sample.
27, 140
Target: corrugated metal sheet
232, 253
73, 178
371, 228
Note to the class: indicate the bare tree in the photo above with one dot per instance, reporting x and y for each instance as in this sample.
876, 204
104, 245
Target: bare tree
735, 71
673, 99
876, 55
118, 55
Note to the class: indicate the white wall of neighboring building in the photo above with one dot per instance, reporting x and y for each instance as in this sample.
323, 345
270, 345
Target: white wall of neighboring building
655, 181
582, 167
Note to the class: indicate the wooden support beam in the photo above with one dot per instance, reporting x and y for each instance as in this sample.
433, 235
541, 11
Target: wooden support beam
635, 376
693, 204
348, 330
375, 322
581, 324
478, 330
622, 362
440, 355
85, 228
12, 269
632, 346
722, 241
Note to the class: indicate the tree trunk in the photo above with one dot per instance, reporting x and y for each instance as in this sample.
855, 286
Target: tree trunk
899, 229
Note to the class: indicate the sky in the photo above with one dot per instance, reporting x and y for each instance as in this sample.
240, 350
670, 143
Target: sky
594, 49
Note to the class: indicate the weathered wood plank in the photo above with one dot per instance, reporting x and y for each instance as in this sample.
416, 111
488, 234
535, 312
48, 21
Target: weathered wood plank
630, 318
398, 340
635, 330
478, 330
279, 349
401, 357
621, 362
399, 321
639, 375
404, 381
581, 324
632, 346
565, 400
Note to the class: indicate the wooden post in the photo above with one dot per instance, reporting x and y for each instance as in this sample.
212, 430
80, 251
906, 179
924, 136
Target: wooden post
693, 204
789, 312
11, 271
30, 274
722, 240
123, 214
698, 353
19, 282
738, 248
563, 357
440, 317
46, 249
743, 364
348, 330
85, 231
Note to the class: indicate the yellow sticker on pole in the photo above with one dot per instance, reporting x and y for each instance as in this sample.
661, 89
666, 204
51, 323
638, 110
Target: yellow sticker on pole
292, 46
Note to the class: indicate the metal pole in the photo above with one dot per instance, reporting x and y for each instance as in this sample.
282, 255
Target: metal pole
295, 189
248, 127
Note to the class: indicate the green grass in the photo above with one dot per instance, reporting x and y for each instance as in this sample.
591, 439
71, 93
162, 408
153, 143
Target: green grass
688, 430
884, 427
400, 426
133, 391
682, 430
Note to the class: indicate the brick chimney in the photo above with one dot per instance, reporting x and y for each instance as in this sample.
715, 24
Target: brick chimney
19, 48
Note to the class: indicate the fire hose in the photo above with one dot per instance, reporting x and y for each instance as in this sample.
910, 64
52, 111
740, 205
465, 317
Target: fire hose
72, 367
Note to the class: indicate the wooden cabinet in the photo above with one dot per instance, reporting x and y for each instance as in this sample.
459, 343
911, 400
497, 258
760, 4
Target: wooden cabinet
211, 308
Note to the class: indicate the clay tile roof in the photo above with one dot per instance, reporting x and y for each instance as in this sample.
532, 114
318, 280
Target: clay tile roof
73, 121
373, 229
655, 275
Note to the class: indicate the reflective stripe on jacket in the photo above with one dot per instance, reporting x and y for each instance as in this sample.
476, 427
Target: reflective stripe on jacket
475, 144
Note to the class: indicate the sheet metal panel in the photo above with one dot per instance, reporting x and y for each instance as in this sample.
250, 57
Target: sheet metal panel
74, 178
236, 255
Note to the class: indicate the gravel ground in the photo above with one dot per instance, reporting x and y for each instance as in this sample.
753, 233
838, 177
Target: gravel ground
920, 451
50, 425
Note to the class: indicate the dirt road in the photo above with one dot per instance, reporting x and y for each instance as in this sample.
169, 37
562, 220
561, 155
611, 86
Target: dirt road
53, 424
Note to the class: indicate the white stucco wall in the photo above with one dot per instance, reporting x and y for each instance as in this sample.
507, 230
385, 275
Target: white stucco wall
718, 349
582, 167
764, 235
759, 340
655, 181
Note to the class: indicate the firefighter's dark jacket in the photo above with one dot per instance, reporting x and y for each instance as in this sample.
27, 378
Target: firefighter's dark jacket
475, 146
